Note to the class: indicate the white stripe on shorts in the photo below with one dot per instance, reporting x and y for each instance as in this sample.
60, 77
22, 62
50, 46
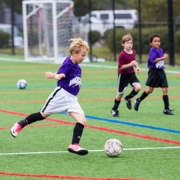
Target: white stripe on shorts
61, 101
119, 81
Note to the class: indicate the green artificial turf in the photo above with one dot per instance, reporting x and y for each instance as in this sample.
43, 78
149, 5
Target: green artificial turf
143, 134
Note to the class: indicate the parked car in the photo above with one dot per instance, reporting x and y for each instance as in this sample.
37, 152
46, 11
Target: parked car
104, 19
18, 39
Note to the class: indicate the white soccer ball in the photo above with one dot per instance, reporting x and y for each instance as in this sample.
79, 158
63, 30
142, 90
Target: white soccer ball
21, 84
113, 147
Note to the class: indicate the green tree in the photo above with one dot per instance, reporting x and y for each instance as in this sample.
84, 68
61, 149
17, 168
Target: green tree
17, 5
81, 7
154, 10
151, 11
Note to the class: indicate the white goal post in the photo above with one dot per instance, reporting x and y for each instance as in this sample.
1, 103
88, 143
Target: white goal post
48, 27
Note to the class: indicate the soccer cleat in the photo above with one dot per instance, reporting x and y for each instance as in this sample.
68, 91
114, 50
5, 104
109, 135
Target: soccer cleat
77, 149
168, 112
16, 129
128, 103
136, 104
115, 112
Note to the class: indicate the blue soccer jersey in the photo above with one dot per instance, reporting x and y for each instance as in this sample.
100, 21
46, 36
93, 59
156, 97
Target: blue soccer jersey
72, 82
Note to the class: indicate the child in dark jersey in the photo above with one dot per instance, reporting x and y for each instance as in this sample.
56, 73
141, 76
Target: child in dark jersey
126, 75
156, 74
64, 97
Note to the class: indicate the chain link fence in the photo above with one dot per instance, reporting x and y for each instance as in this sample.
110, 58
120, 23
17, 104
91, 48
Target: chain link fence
100, 28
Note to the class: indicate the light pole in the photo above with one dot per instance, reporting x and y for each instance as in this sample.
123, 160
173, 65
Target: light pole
170, 32
114, 30
90, 33
139, 30
12, 25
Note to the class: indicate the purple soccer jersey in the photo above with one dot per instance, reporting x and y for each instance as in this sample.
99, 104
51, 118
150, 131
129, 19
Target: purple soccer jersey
72, 82
153, 54
125, 58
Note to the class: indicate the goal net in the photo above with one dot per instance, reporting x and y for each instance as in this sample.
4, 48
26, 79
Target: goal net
48, 27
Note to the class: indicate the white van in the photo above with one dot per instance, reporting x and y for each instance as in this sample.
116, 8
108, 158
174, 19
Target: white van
18, 39
104, 19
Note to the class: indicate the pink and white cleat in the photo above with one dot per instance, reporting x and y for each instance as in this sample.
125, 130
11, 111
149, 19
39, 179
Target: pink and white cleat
77, 149
15, 129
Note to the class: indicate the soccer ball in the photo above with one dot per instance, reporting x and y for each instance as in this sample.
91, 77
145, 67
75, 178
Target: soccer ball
113, 147
21, 84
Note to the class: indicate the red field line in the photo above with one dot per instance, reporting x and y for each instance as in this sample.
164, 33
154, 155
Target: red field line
27, 79
28, 92
22, 101
64, 177
135, 135
102, 129
19, 73
31, 126
28, 66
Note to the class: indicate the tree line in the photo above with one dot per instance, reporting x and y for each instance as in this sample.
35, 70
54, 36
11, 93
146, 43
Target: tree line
151, 11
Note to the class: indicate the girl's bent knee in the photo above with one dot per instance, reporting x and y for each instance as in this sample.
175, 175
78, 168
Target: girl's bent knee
138, 89
44, 115
82, 121
79, 117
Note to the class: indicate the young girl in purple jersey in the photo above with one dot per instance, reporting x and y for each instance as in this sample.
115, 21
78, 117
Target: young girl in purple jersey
156, 75
64, 97
126, 75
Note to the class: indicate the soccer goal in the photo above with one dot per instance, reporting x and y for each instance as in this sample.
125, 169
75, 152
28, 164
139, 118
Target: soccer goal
48, 26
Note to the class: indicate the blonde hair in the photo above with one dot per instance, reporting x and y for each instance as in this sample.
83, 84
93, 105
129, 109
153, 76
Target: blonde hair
77, 45
126, 38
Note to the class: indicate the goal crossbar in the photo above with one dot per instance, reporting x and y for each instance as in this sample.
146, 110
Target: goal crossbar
48, 26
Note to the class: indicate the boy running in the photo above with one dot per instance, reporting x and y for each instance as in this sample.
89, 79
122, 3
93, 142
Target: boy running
156, 74
64, 97
126, 75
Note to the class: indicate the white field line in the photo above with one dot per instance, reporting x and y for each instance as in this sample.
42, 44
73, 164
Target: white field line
87, 65
115, 67
58, 152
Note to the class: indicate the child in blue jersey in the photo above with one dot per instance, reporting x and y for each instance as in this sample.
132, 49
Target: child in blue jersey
63, 98
156, 74
126, 74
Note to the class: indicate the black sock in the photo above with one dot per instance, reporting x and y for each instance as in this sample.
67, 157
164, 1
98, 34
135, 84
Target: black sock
116, 104
166, 101
132, 94
77, 133
31, 118
143, 96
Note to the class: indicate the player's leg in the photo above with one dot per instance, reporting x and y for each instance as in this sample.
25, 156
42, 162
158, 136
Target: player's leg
117, 101
18, 126
166, 110
47, 109
164, 87
75, 147
122, 84
143, 96
137, 87
133, 80
153, 80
